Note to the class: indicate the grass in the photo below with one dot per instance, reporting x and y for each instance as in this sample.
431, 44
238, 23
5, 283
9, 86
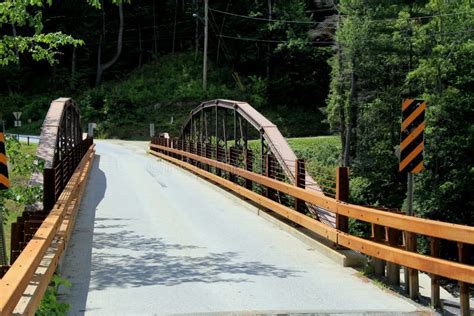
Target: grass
15, 208
321, 153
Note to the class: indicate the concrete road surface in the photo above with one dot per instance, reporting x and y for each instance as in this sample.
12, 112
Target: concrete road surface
151, 238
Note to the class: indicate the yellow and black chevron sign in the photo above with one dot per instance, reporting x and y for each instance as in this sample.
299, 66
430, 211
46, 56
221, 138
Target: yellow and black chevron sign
412, 135
4, 182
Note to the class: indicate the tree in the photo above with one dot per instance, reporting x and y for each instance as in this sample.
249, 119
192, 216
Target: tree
103, 67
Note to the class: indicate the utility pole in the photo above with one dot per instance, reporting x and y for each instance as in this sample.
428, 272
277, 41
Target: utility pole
204, 68
196, 33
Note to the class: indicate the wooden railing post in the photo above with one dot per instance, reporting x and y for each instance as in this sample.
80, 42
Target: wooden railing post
413, 282
300, 181
435, 297
342, 194
393, 269
463, 286
379, 236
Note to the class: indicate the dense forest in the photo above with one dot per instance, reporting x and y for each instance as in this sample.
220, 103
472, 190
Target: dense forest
314, 67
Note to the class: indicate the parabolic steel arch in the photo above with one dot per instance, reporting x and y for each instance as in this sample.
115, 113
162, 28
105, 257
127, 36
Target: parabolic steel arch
270, 136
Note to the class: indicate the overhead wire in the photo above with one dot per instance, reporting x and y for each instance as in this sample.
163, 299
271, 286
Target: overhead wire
263, 19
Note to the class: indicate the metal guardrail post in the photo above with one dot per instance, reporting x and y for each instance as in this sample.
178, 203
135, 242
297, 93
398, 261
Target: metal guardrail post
300, 181
219, 158
249, 167
269, 172
49, 190
233, 155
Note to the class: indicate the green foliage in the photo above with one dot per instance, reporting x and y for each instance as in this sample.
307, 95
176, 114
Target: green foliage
386, 54
49, 304
22, 163
444, 78
41, 46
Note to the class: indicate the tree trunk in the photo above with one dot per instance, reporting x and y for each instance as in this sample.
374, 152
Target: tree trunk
99, 60
174, 26
267, 59
351, 117
17, 55
342, 116
73, 68
103, 67
196, 36
140, 47
103, 17
221, 30
155, 40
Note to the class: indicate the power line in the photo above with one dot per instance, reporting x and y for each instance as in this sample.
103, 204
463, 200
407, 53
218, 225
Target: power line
343, 16
263, 19
416, 17
269, 41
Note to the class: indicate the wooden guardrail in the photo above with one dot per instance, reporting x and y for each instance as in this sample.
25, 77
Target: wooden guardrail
24, 284
383, 247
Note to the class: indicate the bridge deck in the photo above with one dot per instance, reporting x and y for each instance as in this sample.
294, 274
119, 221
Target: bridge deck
152, 238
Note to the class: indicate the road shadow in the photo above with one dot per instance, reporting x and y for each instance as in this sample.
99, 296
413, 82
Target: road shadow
77, 263
127, 259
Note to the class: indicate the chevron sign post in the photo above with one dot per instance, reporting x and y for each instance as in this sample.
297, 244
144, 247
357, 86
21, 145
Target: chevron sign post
4, 181
411, 161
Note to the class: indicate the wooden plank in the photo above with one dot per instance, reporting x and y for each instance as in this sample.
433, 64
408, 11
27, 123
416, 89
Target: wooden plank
402, 222
58, 246
432, 228
18, 276
463, 286
435, 290
452, 270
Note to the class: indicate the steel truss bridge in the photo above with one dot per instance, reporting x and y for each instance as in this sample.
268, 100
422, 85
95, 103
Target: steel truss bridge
233, 146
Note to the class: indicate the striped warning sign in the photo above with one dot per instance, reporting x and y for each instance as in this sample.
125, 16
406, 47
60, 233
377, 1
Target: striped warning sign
4, 182
412, 135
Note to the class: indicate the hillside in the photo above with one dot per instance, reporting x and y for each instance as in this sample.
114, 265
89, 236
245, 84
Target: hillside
164, 92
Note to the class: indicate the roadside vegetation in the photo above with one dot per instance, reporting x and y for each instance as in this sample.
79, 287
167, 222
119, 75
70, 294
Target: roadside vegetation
21, 160
343, 69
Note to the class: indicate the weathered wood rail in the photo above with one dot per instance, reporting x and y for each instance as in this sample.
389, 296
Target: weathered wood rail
386, 244
25, 282
40, 235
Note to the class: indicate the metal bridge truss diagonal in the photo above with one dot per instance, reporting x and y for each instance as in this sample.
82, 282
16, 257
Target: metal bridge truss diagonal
224, 124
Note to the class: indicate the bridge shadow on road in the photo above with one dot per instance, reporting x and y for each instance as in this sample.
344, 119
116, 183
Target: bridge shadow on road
105, 253
152, 261
76, 266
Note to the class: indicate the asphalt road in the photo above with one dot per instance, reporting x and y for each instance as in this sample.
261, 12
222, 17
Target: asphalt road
151, 238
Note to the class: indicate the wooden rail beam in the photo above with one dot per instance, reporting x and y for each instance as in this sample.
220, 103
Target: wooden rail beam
15, 281
432, 228
449, 269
